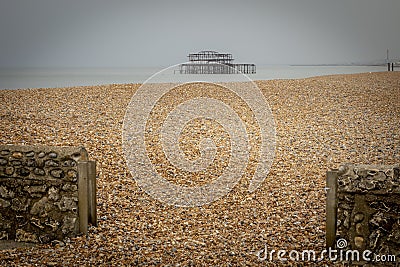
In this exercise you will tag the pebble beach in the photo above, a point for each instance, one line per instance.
(321, 122)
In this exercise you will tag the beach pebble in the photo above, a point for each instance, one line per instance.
(321, 122)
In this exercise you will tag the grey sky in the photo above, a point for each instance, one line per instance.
(103, 33)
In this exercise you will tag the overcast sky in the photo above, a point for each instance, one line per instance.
(104, 33)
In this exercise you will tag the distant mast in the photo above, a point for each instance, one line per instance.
(387, 55)
(387, 59)
(212, 62)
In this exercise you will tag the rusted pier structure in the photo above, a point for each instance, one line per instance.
(211, 62)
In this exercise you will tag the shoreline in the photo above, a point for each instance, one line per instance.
(60, 78)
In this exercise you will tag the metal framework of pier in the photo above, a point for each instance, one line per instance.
(211, 62)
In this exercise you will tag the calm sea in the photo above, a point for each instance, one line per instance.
(49, 78)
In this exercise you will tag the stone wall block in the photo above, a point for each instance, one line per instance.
(31, 163)
(69, 224)
(8, 171)
(20, 204)
(72, 175)
(57, 173)
(5, 152)
(3, 235)
(54, 194)
(52, 155)
(15, 162)
(3, 161)
(22, 236)
(68, 163)
(41, 207)
(39, 193)
(39, 171)
(17, 155)
(37, 222)
(6, 192)
(4, 203)
(51, 163)
(368, 207)
(24, 172)
(30, 154)
(70, 187)
(68, 204)
(36, 189)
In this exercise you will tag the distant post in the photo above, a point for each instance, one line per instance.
(331, 208)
